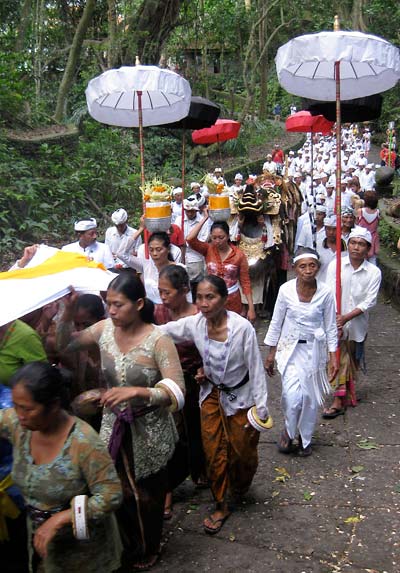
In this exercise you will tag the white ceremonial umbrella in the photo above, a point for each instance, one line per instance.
(138, 96)
(333, 66)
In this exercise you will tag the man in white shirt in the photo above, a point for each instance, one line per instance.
(237, 188)
(118, 234)
(194, 261)
(269, 165)
(347, 194)
(367, 178)
(360, 286)
(177, 204)
(330, 198)
(88, 245)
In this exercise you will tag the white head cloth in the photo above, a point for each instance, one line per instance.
(119, 216)
(85, 224)
(361, 233)
(330, 221)
(191, 203)
(305, 256)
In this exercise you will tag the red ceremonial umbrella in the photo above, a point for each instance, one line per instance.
(305, 122)
(222, 130)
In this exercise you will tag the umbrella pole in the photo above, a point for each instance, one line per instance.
(183, 179)
(338, 201)
(142, 178)
(312, 214)
(219, 153)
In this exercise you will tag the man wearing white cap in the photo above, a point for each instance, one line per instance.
(118, 234)
(177, 204)
(194, 261)
(330, 198)
(360, 286)
(269, 165)
(291, 165)
(327, 250)
(367, 178)
(88, 245)
(320, 214)
(237, 186)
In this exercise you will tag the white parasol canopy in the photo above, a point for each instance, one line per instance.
(333, 66)
(368, 65)
(112, 97)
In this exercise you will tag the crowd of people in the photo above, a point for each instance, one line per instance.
(118, 397)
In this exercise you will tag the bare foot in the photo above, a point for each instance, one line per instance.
(146, 563)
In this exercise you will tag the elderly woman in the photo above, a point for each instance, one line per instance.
(302, 326)
(233, 385)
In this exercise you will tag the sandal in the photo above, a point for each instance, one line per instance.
(285, 444)
(332, 413)
(218, 522)
(305, 452)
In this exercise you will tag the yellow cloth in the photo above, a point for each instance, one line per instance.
(61, 261)
(7, 507)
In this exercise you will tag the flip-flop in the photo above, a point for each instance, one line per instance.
(220, 521)
(333, 413)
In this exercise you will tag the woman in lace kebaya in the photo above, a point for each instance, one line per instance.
(145, 383)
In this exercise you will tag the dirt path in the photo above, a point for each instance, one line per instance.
(337, 511)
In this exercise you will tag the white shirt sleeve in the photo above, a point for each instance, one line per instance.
(275, 327)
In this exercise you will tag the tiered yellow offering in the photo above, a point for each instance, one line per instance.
(157, 198)
(218, 201)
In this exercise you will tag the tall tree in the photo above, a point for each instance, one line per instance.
(23, 25)
(73, 58)
(150, 27)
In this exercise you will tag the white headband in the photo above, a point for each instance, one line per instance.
(305, 256)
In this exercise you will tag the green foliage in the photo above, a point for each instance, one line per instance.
(14, 85)
(388, 234)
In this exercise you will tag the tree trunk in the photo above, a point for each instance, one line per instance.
(73, 58)
(149, 29)
(37, 51)
(112, 53)
(262, 108)
(357, 18)
(23, 24)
